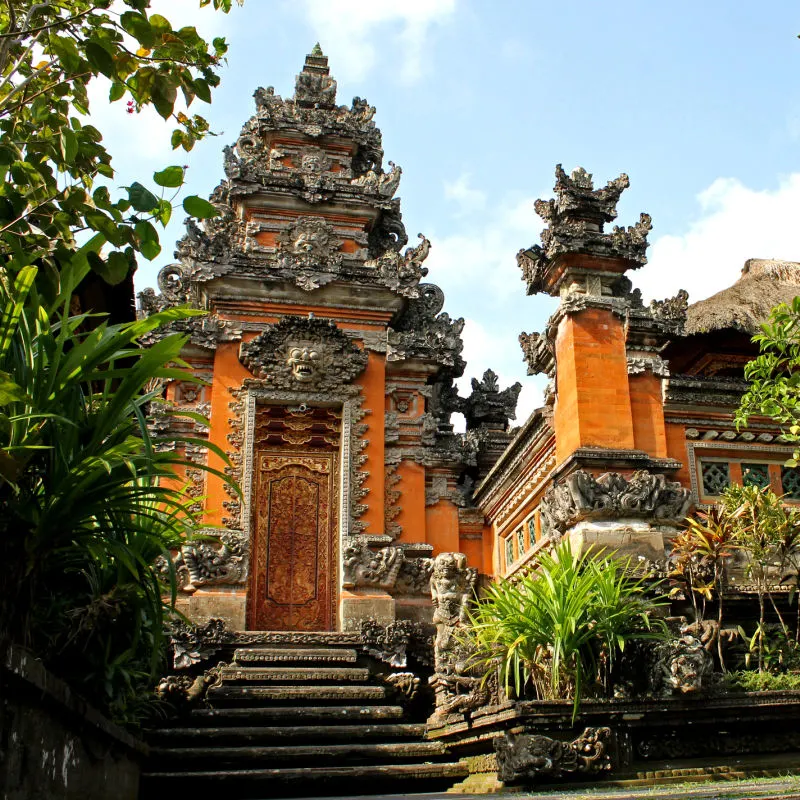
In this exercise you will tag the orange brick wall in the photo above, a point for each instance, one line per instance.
(593, 406)
(649, 432)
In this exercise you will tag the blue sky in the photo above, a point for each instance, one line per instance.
(479, 99)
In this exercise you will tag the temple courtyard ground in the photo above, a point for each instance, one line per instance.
(787, 788)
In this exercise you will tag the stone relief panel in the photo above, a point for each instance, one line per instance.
(612, 496)
(303, 354)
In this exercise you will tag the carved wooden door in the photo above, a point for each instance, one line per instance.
(295, 543)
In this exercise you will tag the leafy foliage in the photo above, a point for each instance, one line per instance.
(563, 629)
(698, 558)
(52, 160)
(88, 498)
(775, 374)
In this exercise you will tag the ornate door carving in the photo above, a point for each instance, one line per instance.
(293, 582)
(295, 543)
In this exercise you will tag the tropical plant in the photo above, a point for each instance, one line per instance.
(768, 534)
(89, 499)
(562, 629)
(698, 558)
(775, 374)
(53, 165)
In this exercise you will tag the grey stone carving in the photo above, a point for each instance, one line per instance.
(537, 352)
(190, 644)
(305, 354)
(528, 758)
(672, 309)
(487, 406)
(386, 568)
(611, 496)
(682, 665)
(575, 220)
(221, 561)
(309, 242)
(402, 273)
(314, 86)
(393, 643)
(457, 688)
(184, 692)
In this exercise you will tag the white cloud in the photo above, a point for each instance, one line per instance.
(736, 223)
(484, 253)
(351, 32)
(465, 196)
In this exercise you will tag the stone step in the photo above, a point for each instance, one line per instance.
(309, 734)
(299, 754)
(339, 694)
(315, 655)
(294, 674)
(303, 782)
(294, 714)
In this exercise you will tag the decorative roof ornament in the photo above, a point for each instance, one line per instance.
(314, 87)
(575, 226)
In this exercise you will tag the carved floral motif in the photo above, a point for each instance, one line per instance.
(523, 758)
(582, 496)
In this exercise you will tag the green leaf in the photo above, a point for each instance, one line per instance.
(202, 90)
(170, 178)
(147, 235)
(164, 212)
(141, 198)
(69, 145)
(138, 26)
(114, 269)
(116, 91)
(197, 207)
(100, 59)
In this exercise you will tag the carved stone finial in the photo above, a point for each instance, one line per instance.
(575, 220)
(487, 406)
(314, 86)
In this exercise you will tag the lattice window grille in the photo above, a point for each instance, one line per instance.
(509, 551)
(521, 540)
(790, 478)
(716, 477)
(532, 530)
(755, 475)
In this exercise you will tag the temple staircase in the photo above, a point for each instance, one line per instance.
(288, 721)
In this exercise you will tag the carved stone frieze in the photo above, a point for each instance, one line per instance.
(191, 644)
(391, 510)
(402, 273)
(309, 242)
(303, 354)
(219, 561)
(638, 365)
(425, 332)
(458, 688)
(682, 665)
(673, 309)
(612, 496)
(528, 758)
(537, 352)
(386, 568)
(395, 642)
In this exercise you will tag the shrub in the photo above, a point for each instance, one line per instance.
(562, 629)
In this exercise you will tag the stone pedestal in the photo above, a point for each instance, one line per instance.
(627, 538)
(356, 605)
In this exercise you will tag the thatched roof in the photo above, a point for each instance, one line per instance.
(745, 305)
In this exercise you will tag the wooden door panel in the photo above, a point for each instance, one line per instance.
(292, 586)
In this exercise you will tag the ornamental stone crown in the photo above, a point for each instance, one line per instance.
(575, 227)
